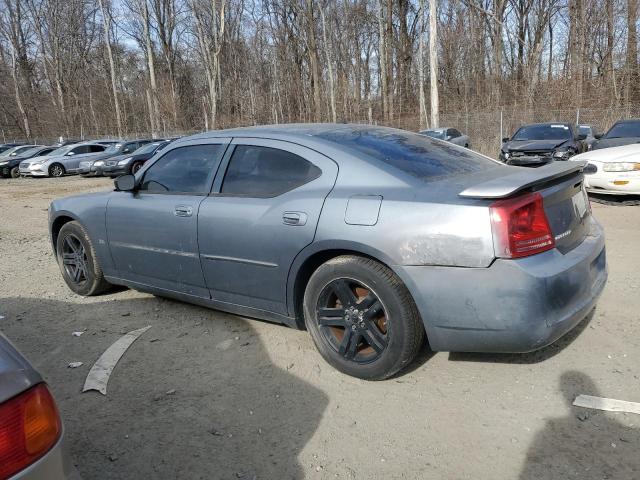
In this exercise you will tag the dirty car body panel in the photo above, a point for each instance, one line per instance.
(420, 206)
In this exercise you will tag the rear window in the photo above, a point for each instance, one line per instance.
(416, 155)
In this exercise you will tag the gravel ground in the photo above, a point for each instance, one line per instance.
(204, 394)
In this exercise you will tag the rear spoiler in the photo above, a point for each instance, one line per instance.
(522, 179)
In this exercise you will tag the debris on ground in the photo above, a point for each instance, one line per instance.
(99, 374)
(607, 404)
(77, 334)
(75, 364)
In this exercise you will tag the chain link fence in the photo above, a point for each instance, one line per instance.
(485, 128)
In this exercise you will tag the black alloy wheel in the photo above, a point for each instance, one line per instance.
(352, 320)
(362, 318)
(74, 259)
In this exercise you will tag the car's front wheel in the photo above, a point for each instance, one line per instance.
(78, 261)
(56, 170)
(362, 318)
(135, 167)
(15, 172)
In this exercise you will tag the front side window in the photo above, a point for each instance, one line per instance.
(96, 148)
(183, 170)
(266, 172)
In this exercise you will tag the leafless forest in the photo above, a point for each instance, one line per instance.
(132, 67)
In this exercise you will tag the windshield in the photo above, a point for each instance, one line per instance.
(417, 155)
(543, 132)
(584, 130)
(439, 134)
(148, 148)
(115, 148)
(624, 130)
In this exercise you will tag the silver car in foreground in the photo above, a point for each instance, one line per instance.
(31, 432)
(62, 161)
(369, 237)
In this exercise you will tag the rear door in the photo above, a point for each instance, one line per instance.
(152, 232)
(263, 211)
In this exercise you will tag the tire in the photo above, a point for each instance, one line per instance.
(15, 172)
(135, 167)
(379, 334)
(56, 170)
(78, 261)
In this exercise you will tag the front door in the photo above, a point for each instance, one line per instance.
(153, 231)
(262, 213)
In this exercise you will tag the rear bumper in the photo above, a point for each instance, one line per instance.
(513, 305)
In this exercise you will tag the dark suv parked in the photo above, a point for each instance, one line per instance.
(93, 167)
(131, 163)
(541, 143)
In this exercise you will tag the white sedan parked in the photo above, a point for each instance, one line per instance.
(614, 170)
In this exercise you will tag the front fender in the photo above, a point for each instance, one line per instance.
(90, 211)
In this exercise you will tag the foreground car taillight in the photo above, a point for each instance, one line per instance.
(520, 226)
(29, 426)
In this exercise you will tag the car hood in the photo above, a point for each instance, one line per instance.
(104, 156)
(532, 145)
(16, 374)
(614, 142)
(625, 153)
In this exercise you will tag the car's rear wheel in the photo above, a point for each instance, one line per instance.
(135, 167)
(362, 318)
(15, 172)
(56, 170)
(78, 261)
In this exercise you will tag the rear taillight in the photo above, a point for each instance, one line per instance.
(29, 426)
(520, 226)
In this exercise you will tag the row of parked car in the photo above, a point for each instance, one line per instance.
(613, 158)
(88, 158)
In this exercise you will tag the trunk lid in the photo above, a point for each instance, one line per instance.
(565, 199)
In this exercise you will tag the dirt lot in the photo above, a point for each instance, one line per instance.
(208, 395)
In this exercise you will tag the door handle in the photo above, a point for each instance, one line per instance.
(294, 218)
(183, 211)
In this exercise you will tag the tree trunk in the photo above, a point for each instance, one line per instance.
(433, 62)
(106, 21)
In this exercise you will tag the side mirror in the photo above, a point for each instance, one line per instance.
(581, 137)
(505, 139)
(70, 153)
(448, 137)
(598, 136)
(125, 183)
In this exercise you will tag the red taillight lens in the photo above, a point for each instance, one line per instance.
(520, 226)
(29, 426)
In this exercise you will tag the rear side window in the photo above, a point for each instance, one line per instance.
(183, 170)
(417, 155)
(82, 149)
(266, 172)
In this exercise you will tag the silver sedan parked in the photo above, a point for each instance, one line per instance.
(452, 135)
(62, 161)
(31, 432)
(369, 237)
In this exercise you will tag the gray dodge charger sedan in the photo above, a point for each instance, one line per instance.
(372, 238)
